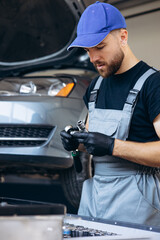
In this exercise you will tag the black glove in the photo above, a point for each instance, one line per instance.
(97, 144)
(68, 141)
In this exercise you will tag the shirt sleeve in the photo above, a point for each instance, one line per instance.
(153, 96)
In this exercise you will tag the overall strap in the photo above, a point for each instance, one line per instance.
(133, 93)
(94, 92)
(129, 106)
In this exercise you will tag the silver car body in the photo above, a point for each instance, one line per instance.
(30, 123)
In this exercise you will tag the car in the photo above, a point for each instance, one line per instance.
(41, 91)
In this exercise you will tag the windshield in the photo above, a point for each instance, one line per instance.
(33, 29)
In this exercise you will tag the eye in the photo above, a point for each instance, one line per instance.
(100, 47)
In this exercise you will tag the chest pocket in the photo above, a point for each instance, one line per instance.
(115, 123)
(104, 121)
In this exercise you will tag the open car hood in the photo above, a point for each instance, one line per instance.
(35, 34)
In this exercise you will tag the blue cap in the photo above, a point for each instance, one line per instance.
(96, 22)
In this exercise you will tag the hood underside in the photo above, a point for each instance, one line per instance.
(34, 29)
(37, 33)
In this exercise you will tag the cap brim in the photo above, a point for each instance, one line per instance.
(88, 41)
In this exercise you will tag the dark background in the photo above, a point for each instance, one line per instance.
(52, 193)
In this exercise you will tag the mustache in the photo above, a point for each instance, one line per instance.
(98, 63)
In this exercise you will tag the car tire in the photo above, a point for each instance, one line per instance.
(72, 180)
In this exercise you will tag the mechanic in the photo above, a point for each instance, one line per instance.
(123, 124)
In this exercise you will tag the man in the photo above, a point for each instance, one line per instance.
(123, 125)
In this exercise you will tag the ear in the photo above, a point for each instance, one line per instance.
(123, 37)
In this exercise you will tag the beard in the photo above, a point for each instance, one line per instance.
(112, 67)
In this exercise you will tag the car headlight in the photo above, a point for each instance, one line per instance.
(60, 89)
(49, 86)
(28, 88)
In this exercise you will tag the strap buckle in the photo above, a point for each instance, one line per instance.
(132, 97)
(93, 95)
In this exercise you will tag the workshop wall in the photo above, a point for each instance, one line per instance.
(143, 25)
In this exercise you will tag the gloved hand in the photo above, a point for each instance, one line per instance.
(97, 144)
(69, 143)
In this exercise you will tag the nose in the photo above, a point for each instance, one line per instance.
(93, 55)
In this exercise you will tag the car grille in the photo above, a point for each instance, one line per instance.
(24, 136)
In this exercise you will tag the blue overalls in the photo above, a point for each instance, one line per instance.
(120, 190)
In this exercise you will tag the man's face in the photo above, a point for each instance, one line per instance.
(107, 56)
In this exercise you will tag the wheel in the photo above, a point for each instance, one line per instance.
(72, 180)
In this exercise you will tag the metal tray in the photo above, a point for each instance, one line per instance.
(23, 219)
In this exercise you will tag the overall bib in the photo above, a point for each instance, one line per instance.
(120, 190)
